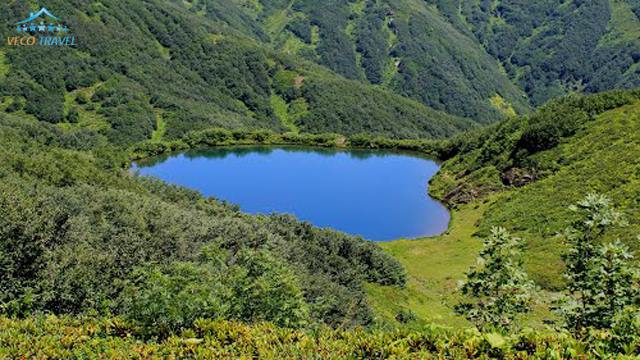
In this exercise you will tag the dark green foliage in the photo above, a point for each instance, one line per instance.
(372, 41)
(228, 12)
(197, 71)
(73, 116)
(406, 316)
(300, 27)
(82, 99)
(127, 111)
(406, 46)
(351, 108)
(444, 52)
(240, 71)
(252, 287)
(552, 49)
(16, 105)
(446, 70)
(335, 48)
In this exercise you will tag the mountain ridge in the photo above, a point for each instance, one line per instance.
(136, 60)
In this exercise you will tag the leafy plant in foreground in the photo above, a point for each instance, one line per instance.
(498, 284)
(256, 287)
(602, 280)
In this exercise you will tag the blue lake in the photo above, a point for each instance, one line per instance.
(378, 195)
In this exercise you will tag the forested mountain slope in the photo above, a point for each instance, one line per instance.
(151, 68)
(553, 47)
(462, 56)
(405, 46)
(185, 65)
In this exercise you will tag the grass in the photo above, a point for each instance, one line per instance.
(276, 22)
(281, 109)
(391, 68)
(164, 51)
(624, 25)
(434, 266)
(89, 117)
(502, 105)
(161, 127)
(602, 158)
(293, 45)
(315, 35)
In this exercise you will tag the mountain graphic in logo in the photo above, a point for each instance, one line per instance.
(42, 28)
(42, 21)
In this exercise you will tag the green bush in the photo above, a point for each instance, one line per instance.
(602, 280)
(498, 286)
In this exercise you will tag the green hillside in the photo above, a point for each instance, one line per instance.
(97, 262)
(479, 60)
(500, 177)
(571, 147)
(136, 60)
(457, 55)
(80, 235)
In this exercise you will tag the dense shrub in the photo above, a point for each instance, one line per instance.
(253, 287)
(515, 143)
(498, 286)
(601, 278)
(190, 73)
(551, 51)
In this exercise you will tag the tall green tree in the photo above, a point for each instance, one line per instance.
(602, 279)
(498, 285)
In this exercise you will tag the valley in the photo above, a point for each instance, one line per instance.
(346, 179)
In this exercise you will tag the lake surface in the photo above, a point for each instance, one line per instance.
(378, 195)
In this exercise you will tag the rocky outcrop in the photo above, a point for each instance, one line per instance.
(462, 194)
(518, 177)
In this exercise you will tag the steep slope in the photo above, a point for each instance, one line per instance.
(406, 46)
(551, 48)
(458, 55)
(547, 162)
(146, 66)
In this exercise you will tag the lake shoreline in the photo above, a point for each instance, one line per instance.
(410, 185)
